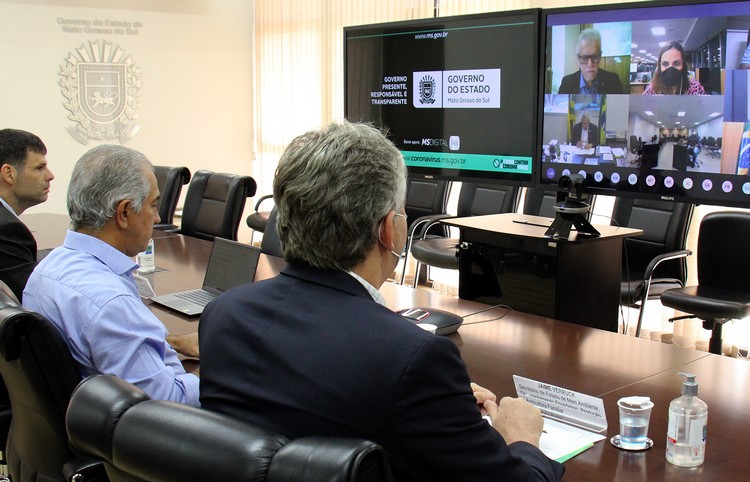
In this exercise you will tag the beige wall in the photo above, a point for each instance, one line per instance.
(195, 58)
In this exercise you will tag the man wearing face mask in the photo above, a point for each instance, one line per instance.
(314, 351)
(671, 74)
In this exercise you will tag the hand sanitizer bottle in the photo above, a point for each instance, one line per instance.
(686, 430)
(146, 259)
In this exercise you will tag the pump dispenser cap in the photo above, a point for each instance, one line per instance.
(689, 386)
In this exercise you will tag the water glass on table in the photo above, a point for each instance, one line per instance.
(635, 413)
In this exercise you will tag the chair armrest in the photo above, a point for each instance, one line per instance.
(84, 470)
(166, 227)
(262, 198)
(330, 458)
(649, 273)
(421, 225)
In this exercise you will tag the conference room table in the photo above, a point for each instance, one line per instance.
(497, 343)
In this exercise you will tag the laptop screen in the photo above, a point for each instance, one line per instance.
(231, 264)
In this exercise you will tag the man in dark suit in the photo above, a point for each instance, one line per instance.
(24, 182)
(585, 134)
(590, 79)
(314, 351)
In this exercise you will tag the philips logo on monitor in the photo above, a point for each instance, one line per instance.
(466, 89)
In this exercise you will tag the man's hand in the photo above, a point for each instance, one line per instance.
(185, 344)
(516, 419)
(482, 394)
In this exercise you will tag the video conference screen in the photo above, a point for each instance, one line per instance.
(649, 100)
(458, 95)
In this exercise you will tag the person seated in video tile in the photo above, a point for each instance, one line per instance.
(585, 133)
(671, 74)
(590, 79)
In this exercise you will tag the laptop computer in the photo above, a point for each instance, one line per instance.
(231, 264)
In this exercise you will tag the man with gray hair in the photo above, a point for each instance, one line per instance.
(314, 351)
(585, 134)
(590, 79)
(86, 287)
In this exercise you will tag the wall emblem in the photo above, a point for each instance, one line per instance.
(101, 85)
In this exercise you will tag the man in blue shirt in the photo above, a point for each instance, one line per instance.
(86, 287)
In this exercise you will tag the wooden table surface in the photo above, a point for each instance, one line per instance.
(498, 343)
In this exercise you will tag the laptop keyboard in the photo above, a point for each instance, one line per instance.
(199, 297)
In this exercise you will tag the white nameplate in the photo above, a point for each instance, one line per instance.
(144, 287)
(562, 404)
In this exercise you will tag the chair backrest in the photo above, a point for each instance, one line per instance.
(170, 181)
(664, 224)
(140, 439)
(40, 374)
(426, 197)
(271, 244)
(214, 204)
(481, 199)
(722, 239)
(539, 202)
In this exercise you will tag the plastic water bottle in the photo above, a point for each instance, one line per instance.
(686, 429)
(146, 260)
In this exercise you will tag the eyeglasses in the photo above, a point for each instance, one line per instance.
(403, 216)
(585, 59)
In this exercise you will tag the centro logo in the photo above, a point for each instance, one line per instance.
(434, 142)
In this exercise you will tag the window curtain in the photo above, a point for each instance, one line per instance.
(299, 67)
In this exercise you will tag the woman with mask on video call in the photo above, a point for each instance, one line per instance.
(671, 74)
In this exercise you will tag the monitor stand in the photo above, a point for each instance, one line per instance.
(571, 213)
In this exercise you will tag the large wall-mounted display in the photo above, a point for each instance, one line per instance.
(648, 99)
(458, 95)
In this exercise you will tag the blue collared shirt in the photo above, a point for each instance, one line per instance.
(584, 88)
(86, 289)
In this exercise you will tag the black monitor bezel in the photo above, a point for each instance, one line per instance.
(529, 180)
(642, 192)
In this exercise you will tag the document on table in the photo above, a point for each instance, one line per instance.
(562, 442)
(573, 421)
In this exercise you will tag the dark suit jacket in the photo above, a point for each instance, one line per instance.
(593, 134)
(608, 83)
(17, 252)
(310, 353)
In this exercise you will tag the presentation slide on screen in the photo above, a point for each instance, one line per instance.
(451, 97)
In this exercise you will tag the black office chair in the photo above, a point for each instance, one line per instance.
(271, 244)
(711, 146)
(539, 202)
(635, 145)
(214, 204)
(257, 220)
(424, 197)
(473, 200)
(153, 440)
(723, 290)
(40, 374)
(645, 273)
(170, 181)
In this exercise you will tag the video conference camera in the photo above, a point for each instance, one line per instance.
(571, 211)
(573, 185)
